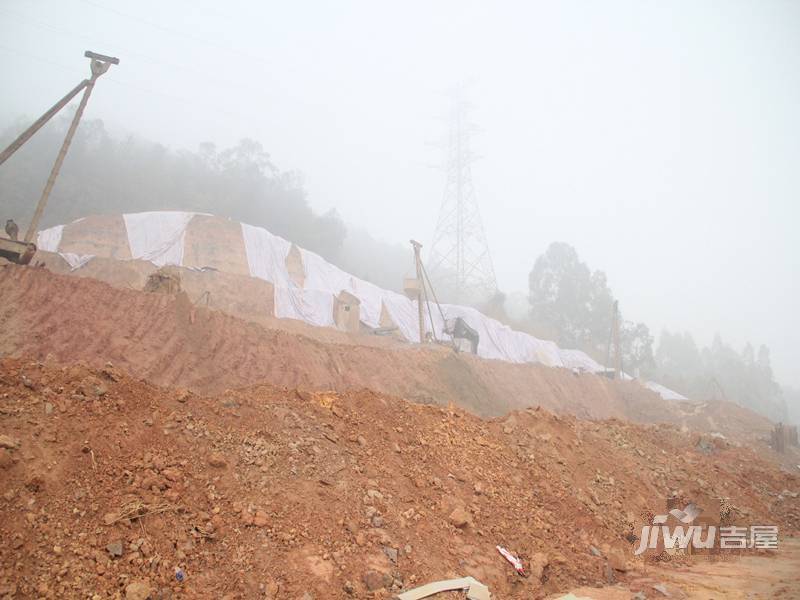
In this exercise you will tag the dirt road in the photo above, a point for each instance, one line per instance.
(743, 578)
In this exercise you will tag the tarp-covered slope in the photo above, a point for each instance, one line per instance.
(160, 237)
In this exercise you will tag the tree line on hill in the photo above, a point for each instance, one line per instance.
(573, 305)
(103, 174)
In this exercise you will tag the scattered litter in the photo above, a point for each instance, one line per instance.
(474, 588)
(515, 562)
(180, 575)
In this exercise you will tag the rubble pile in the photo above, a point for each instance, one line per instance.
(115, 488)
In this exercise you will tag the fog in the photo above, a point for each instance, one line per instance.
(661, 140)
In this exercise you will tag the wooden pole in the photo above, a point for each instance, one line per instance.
(51, 180)
(420, 282)
(99, 65)
(37, 125)
(617, 347)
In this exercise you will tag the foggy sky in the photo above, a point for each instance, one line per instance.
(661, 139)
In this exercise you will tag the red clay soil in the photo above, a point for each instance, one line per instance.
(169, 341)
(112, 486)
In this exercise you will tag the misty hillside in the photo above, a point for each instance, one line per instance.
(566, 302)
(103, 174)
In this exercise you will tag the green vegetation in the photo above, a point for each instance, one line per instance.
(572, 304)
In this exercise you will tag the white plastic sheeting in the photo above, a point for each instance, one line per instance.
(160, 237)
(266, 259)
(315, 307)
(266, 255)
(49, 240)
(664, 392)
(157, 236)
(498, 341)
(76, 261)
(403, 313)
(323, 276)
(575, 359)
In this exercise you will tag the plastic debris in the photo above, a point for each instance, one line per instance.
(180, 575)
(475, 589)
(515, 562)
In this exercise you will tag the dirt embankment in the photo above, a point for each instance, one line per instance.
(114, 486)
(168, 340)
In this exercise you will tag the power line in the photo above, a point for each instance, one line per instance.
(176, 32)
(141, 89)
(28, 20)
(44, 60)
(22, 18)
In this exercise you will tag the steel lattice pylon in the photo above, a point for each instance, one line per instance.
(459, 261)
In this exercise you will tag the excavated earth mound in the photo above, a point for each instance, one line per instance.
(113, 487)
(171, 341)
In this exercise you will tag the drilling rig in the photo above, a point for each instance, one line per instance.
(22, 251)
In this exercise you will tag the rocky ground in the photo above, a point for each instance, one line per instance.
(113, 487)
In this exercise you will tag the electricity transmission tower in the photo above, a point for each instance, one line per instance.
(459, 260)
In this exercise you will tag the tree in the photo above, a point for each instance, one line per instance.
(570, 300)
(719, 371)
(103, 175)
(637, 347)
(679, 364)
(792, 398)
(495, 308)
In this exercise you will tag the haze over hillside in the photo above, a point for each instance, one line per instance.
(660, 141)
(356, 299)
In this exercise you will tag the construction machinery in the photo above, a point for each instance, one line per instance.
(456, 328)
(22, 251)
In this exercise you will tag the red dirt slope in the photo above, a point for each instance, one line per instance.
(169, 341)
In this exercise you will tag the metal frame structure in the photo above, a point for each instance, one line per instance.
(22, 252)
(459, 259)
(423, 285)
